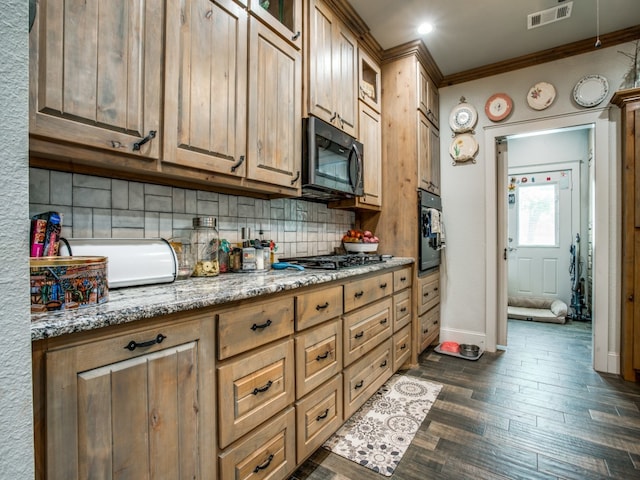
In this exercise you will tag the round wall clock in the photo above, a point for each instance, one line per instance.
(498, 107)
(463, 118)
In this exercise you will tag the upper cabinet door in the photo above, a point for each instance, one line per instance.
(369, 80)
(95, 74)
(275, 109)
(283, 16)
(428, 97)
(206, 81)
(332, 69)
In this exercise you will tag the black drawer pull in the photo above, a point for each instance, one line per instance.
(132, 345)
(403, 309)
(359, 385)
(358, 294)
(435, 322)
(264, 325)
(383, 285)
(435, 289)
(383, 364)
(404, 345)
(296, 36)
(323, 415)
(383, 321)
(403, 279)
(322, 307)
(425, 294)
(258, 390)
(359, 335)
(137, 145)
(426, 330)
(322, 357)
(264, 465)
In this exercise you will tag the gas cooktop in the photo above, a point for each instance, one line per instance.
(336, 262)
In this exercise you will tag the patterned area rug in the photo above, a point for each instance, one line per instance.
(379, 433)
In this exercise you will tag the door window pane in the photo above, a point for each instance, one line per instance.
(538, 215)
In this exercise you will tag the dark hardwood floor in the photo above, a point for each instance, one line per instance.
(535, 411)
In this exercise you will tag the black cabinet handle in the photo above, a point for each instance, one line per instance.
(132, 345)
(359, 335)
(359, 385)
(403, 309)
(404, 345)
(426, 330)
(296, 36)
(403, 279)
(322, 307)
(323, 415)
(383, 364)
(258, 390)
(137, 145)
(383, 321)
(383, 285)
(425, 294)
(264, 465)
(237, 165)
(295, 179)
(323, 356)
(255, 327)
(358, 294)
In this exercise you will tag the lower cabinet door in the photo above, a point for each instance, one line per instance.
(429, 327)
(267, 453)
(318, 415)
(401, 347)
(363, 378)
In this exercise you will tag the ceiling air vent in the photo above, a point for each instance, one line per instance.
(549, 15)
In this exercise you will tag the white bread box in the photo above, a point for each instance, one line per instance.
(130, 261)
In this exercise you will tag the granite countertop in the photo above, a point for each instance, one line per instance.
(138, 303)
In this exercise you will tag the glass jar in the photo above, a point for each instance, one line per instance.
(204, 244)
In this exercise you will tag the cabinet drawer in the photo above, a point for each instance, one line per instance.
(429, 327)
(318, 356)
(244, 328)
(402, 279)
(364, 377)
(269, 452)
(401, 347)
(366, 328)
(429, 293)
(253, 388)
(401, 309)
(317, 416)
(362, 292)
(318, 306)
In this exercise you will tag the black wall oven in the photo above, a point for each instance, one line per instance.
(431, 230)
(332, 162)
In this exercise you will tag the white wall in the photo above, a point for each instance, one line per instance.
(16, 435)
(470, 196)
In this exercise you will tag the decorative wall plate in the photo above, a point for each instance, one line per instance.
(463, 147)
(498, 107)
(463, 118)
(541, 95)
(591, 90)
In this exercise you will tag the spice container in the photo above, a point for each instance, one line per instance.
(204, 242)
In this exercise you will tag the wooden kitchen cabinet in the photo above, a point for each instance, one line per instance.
(274, 149)
(428, 97)
(369, 80)
(428, 155)
(134, 402)
(95, 80)
(332, 69)
(205, 86)
(428, 310)
(629, 102)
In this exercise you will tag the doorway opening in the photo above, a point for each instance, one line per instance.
(549, 219)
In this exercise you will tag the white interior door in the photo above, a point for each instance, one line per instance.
(543, 219)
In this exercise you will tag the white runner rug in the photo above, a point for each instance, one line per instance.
(379, 433)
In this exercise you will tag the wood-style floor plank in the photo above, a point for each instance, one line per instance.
(535, 411)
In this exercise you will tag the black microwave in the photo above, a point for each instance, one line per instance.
(332, 165)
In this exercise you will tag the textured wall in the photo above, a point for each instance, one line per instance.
(98, 207)
(16, 437)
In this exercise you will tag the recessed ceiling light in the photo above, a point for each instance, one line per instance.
(425, 28)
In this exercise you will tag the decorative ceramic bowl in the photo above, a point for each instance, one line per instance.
(353, 247)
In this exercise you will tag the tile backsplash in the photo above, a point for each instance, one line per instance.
(99, 207)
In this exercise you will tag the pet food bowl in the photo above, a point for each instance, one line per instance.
(468, 350)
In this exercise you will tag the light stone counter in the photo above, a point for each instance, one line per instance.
(137, 303)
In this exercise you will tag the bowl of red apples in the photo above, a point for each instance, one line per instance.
(360, 241)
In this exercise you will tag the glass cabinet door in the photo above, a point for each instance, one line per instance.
(284, 16)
